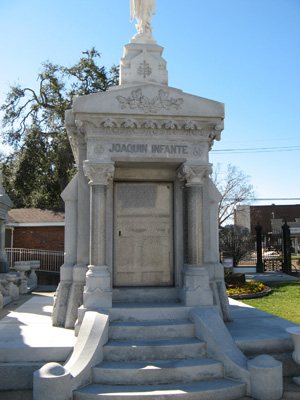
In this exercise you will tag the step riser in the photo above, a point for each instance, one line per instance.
(232, 393)
(16, 394)
(149, 314)
(17, 376)
(150, 295)
(154, 332)
(157, 376)
(180, 352)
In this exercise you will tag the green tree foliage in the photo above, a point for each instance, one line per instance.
(235, 240)
(42, 164)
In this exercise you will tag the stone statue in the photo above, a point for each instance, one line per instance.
(142, 9)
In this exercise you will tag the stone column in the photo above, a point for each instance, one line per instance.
(62, 299)
(5, 205)
(98, 291)
(196, 289)
(82, 239)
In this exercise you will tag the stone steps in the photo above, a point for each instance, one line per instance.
(142, 350)
(157, 372)
(221, 389)
(149, 312)
(153, 354)
(138, 330)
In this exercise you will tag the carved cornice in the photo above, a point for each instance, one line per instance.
(194, 174)
(98, 173)
(143, 126)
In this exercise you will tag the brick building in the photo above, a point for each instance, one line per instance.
(34, 228)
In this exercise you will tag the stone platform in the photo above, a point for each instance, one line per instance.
(28, 340)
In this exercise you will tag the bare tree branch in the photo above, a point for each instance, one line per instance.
(234, 187)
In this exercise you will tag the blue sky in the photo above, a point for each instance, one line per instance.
(244, 53)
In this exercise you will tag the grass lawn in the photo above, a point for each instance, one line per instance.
(283, 302)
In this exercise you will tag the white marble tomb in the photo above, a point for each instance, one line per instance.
(141, 213)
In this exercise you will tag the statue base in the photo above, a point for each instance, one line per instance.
(142, 62)
(143, 38)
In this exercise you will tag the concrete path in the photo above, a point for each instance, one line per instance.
(251, 328)
(30, 327)
(27, 334)
(270, 277)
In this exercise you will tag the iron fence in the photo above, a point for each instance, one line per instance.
(272, 262)
(51, 261)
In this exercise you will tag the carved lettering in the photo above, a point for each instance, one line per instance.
(171, 149)
(144, 148)
(128, 148)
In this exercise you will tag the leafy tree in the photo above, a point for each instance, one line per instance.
(235, 240)
(235, 188)
(42, 163)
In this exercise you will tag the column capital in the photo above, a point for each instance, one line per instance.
(99, 172)
(194, 174)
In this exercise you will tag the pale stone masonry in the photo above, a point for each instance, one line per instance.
(148, 140)
(142, 259)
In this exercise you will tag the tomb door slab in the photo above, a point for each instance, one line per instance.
(143, 234)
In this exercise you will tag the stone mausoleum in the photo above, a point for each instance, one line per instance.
(141, 282)
(141, 213)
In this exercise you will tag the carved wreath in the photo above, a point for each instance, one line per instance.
(138, 100)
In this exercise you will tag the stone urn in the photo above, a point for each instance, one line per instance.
(294, 331)
(35, 265)
(13, 290)
(22, 267)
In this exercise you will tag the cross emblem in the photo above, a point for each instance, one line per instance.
(144, 69)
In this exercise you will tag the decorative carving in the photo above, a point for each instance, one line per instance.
(130, 123)
(138, 100)
(144, 69)
(71, 135)
(170, 125)
(98, 149)
(219, 127)
(76, 139)
(98, 173)
(189, 126)
(194, 175)
(197, 151)
(109, 123)
(177, 126)
(150, 124)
